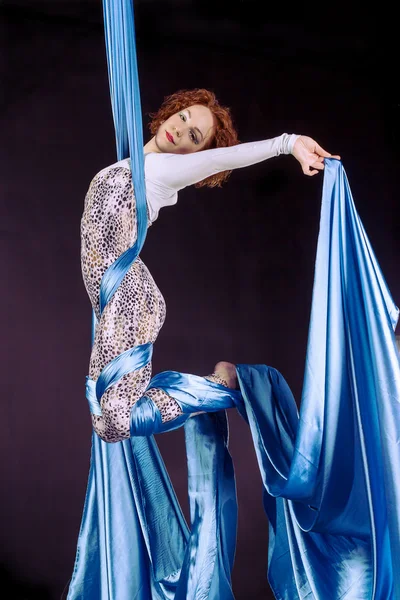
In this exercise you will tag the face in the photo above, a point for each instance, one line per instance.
(189, 130)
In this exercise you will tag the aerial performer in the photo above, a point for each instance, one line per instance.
(194, 143)
(329, 474)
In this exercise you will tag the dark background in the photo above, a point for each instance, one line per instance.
(235, 265)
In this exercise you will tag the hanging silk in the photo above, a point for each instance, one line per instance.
(332, 477)
(329, 477)
(133, 538)
(119, 26)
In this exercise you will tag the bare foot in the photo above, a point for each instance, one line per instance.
(227, 371)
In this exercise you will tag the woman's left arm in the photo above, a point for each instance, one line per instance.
(177, 171)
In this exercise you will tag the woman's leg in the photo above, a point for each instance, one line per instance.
(117, 401)
(224, 373)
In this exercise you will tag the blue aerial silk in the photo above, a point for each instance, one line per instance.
(331, 476)
(134, 541)
(119, 27)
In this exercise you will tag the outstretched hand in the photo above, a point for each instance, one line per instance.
(310, 155)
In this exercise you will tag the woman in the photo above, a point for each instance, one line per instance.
(194, 142)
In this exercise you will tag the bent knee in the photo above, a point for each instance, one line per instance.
(110, 428)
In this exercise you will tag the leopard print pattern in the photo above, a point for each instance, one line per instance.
(167, 406)
(136, 312)
(217, 379)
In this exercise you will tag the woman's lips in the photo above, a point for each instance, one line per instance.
(170, 138)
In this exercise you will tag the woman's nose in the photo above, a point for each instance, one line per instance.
(178, 132)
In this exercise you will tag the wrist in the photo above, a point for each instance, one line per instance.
(291, 142)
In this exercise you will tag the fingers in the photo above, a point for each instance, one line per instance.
(319, 150)
(307, 170)
(314, 168)
(312, 157)
(310, 173)
(318, 165)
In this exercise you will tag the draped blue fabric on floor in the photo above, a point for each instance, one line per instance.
(331, 477)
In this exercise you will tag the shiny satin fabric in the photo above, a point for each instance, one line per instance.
(192, 393)
(119, 30)
(130, 360)
(131, 510)
(210, 547)
(332, 476)
(303, 564)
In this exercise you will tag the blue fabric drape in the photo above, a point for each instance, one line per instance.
(330, 477)
(119, 26)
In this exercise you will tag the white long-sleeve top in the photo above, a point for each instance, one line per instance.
(166, 174)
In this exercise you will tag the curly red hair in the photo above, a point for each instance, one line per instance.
(225, 133)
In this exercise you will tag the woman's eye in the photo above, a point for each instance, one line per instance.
(182, 116)
(193, 137)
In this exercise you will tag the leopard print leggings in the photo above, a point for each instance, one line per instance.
(136, 312)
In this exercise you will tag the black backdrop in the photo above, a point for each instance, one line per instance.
(235, 265)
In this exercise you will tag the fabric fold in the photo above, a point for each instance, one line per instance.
(331, 474)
